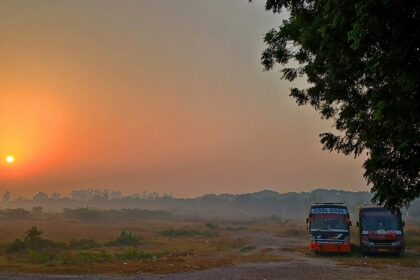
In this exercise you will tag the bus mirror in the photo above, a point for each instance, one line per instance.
(357, 224)
(307, 220)
(403, 223)
(349, 223)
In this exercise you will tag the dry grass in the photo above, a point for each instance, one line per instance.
(63, 230)
(165, 254)
(163, 265)
(182, 253)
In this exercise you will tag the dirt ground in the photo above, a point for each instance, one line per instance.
(297, 264)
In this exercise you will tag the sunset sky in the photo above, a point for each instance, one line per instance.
(165, 96)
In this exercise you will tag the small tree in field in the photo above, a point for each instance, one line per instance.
(33, 234)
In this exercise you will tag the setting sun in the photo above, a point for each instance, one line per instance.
(10, 159)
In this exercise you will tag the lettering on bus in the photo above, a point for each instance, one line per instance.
(329, 210)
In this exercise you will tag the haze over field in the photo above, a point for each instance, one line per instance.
(165, 96)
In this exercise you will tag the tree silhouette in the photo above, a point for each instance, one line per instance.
(33, 234)
(361, 60)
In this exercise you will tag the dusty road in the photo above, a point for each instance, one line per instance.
(270, 271)
(296, 266)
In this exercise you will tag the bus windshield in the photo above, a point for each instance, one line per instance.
(328, 222)
(380, 220)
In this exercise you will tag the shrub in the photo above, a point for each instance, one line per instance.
(16, 246)
(41, 256)
(247, 248)
(33, 234)
(125, 238)
(211, 226)
(32, 241)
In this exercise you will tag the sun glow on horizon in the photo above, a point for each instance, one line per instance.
(10, 159)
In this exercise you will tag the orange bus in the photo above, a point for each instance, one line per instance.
(329, 228)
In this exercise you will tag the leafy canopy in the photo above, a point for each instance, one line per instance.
(361, 59)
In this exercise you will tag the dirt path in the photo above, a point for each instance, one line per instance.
(292, 248)
(269, 271)
(297, 266)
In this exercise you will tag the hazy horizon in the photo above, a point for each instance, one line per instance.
(30, 195)
(153, 96)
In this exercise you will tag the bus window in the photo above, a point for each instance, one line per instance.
(325, 222)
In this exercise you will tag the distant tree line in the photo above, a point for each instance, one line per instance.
(86, 195)
(267, 203)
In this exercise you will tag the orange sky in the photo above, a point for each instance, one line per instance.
(165, 96)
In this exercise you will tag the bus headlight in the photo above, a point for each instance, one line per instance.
(396, 243)
(312, 238)
(347, 240)
(367, 243)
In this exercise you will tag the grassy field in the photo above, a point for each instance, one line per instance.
(76, 247)
(159, 247)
